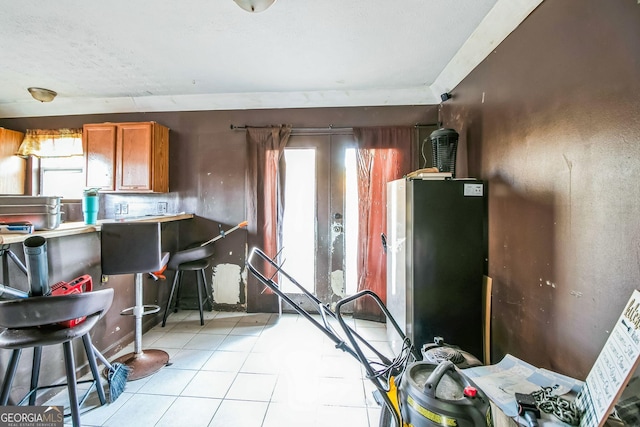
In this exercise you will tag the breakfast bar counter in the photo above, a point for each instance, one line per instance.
(72, 228)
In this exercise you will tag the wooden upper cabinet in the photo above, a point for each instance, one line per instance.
(127, 157)
(12, 168)
(99, 142)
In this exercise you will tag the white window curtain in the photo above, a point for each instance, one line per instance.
(51, 143)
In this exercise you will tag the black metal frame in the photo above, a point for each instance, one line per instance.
(5, 252)
(383, 372)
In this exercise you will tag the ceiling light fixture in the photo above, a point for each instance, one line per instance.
(42, 95)
(255, 5)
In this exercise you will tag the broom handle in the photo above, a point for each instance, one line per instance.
(103, 359)
(242, 224)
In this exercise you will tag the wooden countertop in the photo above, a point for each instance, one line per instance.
(71, 228)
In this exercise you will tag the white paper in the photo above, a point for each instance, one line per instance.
(511, 375)
(613, 368)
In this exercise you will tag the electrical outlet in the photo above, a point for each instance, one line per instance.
(104, 278)
(161, 208)
(118, 209)
(124, 208)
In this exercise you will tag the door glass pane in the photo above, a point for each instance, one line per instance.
(351, 221)
(299, 222)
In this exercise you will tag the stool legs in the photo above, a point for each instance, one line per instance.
(176, 279)
(70, 367)
(201, 284)
(208, 296)
(138, 311)
(176, 303)
(35, 373)
(142, 363)
(12, 367)
(91, 357)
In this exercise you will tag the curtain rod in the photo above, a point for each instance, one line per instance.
(302, 130)
(329, 128)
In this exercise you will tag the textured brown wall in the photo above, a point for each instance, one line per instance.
(552, 120)
(207, 162)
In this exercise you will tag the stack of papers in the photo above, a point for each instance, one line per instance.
(500, 382)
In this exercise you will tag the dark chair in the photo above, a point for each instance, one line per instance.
(135, 248)
(33, 322)
(194, 259)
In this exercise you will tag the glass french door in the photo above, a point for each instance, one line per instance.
(320, 217)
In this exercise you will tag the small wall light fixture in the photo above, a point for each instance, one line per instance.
(41, 94)
(255, 5)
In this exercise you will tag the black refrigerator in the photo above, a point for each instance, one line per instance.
(436, 260)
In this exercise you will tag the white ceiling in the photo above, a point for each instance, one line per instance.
(182, 55)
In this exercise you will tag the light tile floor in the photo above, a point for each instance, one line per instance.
(245, 370)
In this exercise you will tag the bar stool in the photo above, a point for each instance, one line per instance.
(33, 322)
(194, 259)
(134, 247)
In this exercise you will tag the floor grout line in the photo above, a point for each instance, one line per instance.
(262, 360)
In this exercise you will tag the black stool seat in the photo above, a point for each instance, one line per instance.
(192, 259)
(34, 322)
(45, 335)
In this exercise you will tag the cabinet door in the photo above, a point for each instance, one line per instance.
(12, 167)
(134, 154)
(100, 149)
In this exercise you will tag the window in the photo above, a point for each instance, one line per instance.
(62, 176)
(57, 161)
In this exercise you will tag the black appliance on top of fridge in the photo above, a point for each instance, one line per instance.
(436, 260)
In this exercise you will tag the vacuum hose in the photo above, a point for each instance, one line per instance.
(35, 253)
